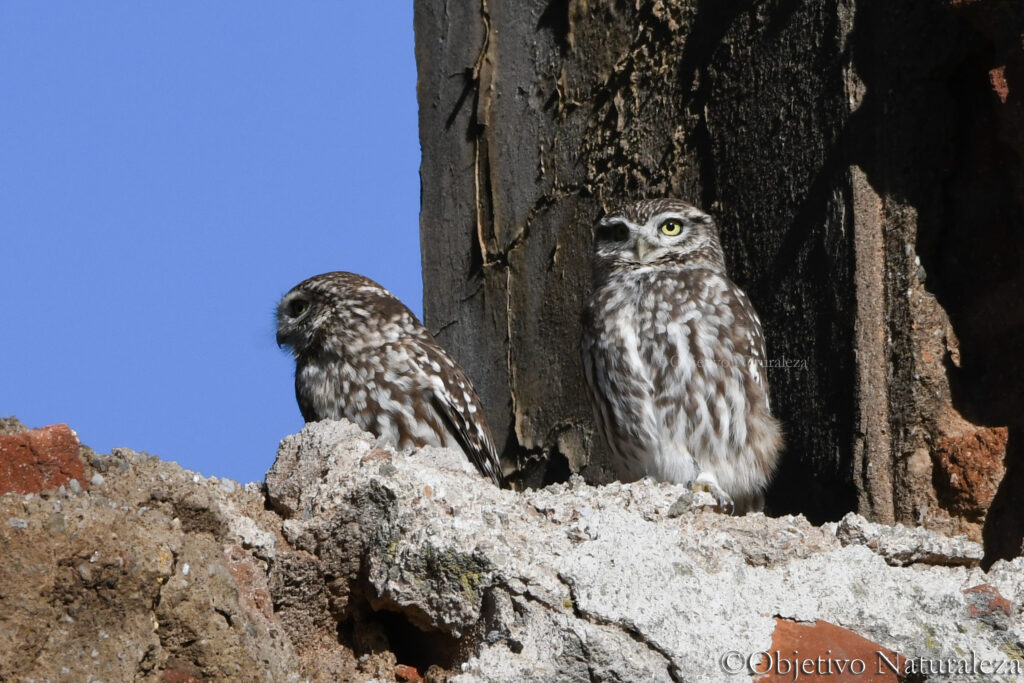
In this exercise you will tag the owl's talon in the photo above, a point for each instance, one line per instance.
(706, 481)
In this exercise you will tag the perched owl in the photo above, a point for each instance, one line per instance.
(674, 356)
(362, 355)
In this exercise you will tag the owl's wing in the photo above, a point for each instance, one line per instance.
(620, 387)
(475, 443)
(749, 338)
(460, 410)
(309, 413)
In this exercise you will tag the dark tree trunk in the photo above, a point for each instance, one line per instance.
(863, 161)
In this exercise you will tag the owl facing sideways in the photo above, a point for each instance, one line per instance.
(674, 356)
(361, 354)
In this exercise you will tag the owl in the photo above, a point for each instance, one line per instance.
(361, 354)
(674, 356)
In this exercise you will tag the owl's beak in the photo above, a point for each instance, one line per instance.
(643, 248)
(280, 340)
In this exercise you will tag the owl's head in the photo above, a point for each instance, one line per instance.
(303, 314)
(328, 312)
(656, 233)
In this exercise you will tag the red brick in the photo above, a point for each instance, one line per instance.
(985, 604)
(40, 459)
(403, 672)
(997, 77)
(824, 651)
(968, 469)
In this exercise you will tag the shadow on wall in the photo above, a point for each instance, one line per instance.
(935, 134)
(940, 130)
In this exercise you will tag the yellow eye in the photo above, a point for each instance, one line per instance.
(671, 227)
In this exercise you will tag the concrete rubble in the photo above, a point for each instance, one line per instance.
(354, 562)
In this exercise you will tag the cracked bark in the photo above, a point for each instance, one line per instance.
(835, 143)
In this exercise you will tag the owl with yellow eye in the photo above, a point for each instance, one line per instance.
(674, 356)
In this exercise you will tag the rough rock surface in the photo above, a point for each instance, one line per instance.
(152, 573)
(355, 562)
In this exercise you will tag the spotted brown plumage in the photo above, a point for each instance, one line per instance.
(361, 354)
(674, 356)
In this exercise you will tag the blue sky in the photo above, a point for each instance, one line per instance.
(167, 172)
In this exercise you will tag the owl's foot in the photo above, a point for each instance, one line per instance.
(706, 481)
